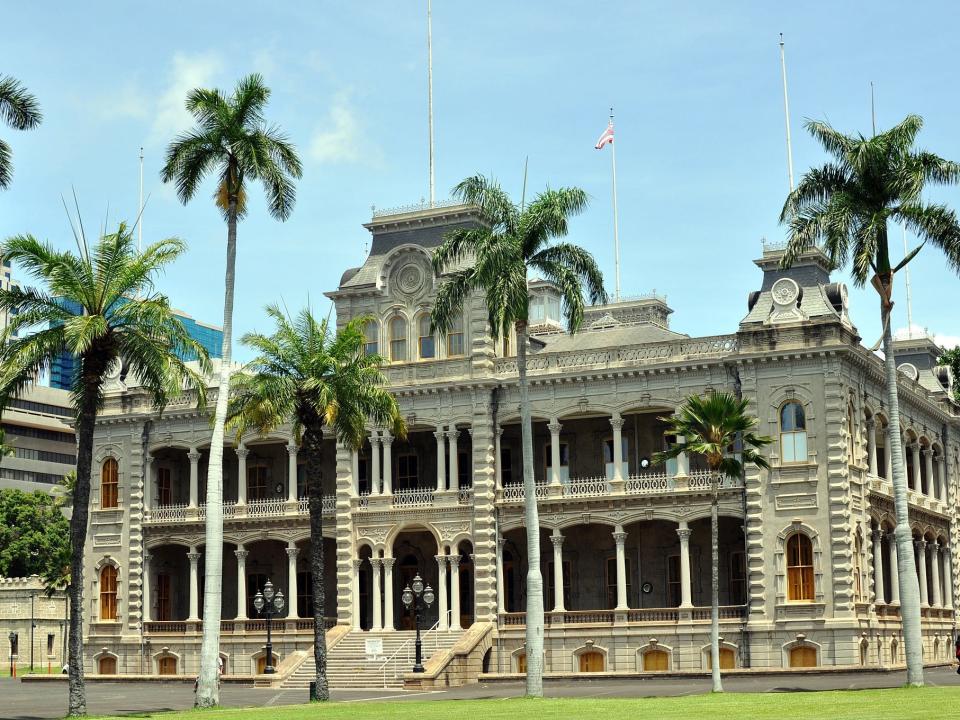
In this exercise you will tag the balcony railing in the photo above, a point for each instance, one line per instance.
(180, 513)
(637, 484)
(280, 625)
(413, 497)
(728, 613)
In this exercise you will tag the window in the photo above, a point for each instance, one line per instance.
(728, 659)
(536, 310)
(371, 332)
(425, 343)
(262, 663)
(506, 345)
(305, 594)
(738, 579)
(50, 641)
(608, 457)
(553, 309)
(564, 461)
(612, 582)
(793, 433)
(164, 488)
(258, 478)
(551, 585)
(108, 484)
(303, 489)
(164, 603)
(464, 478)
(15, 644)
(398, 339)
(799, 568)
(521, 660)
(506, 466)
(363, 471)
(455, 345)
(851, 435)
(407, 474)
(108, 593)
(858, 568)
(674, 591)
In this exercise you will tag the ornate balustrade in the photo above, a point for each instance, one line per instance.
(586, 487)
(413, 497)
(465, 496)
(239, 627)
(514, 492)
(174, 514)
(644, 483)
(169, 514)
(737, 613)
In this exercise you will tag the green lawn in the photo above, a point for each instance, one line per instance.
(25, 669)
(903, 704)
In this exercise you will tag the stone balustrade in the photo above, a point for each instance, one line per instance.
(728, 613)
(180, 513)
(638, 484)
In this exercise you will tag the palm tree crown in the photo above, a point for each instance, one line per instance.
(21, 111)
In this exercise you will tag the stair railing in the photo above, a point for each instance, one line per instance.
(406, 651)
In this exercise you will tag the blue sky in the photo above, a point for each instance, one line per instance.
(695, 86)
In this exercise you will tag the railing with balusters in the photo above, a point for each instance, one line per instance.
(465, 496)
(413, 497)
(643, 483)
(274, 507)
(169, 513)
(586, 487)
(514, 492)
(392, 667)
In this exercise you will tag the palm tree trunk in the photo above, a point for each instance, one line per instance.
(906, 568)
(534, 578)
(313, 449)
(714, 590)
(208, 693)
(77, 697)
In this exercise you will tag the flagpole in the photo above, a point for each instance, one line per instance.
(140, 209)
(430, 92)
(786, 113)
(616, 232)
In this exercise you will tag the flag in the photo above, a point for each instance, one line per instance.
(607, 137)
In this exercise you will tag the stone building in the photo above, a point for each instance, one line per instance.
(807, 562)
(25, 602)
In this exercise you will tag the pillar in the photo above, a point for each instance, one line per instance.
(388, 593)
(915, 480)
(501, 606)
(387, 441)
(292, 592)
(440, 435)
(375, 463)
(442, 591)
(147, 482)
(194, 458)
(894, 572)
(921, 547)
(554, 428)
(455, 591)
(194, 557)
(620, 538)
(942, 477)
(355, 472)
(242, 453)
(241, 554)
(877, 536)
(292, 473)
(947, 577)
(616, 422)
(872, 445)
(557, 541)
(684, 533)
(376, 564)
(452, 436)
(497, 458)
(355, 592)
(934, 592)
(888, 458)
(145, 589)
(928, 469)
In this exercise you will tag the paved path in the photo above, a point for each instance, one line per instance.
(42, 701)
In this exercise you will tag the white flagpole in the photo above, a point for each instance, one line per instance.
(786, 113)
(140, 209)
(616, 233)
(430, 91)
(906, 277)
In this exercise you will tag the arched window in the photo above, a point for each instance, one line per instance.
(656, 661)
(425, 344)
(108, 484)
(398, 339)
(793, 433)
(167, 665)
(851, 435)
(371, 331)
(455, 345)
(107, 665)
(799, 568)
(858, 568)
(803, 656)
(591, 661)
(108, 593)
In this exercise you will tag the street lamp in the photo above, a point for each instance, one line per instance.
(13, 638)
(268, 604)
(418, 598)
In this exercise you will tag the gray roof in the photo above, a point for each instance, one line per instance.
(814, 303)
(616, 336)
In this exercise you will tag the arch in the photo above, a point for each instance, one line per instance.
(728, 656)
(654, 657)
(167, 662)
(518, 660)
(109, 483)
(894, 651)
(397, 332)
(799, 568)
(107, 587)
(783, 574)
(801, 653)
(411, 526)
(259, 660)
(107, 662)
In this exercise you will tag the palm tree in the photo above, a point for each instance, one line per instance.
(21, 111)
(712, 427)
(495, 259)
(118, 318)
(5, 450)
(846, 205)
(232, 140)
(306, 374)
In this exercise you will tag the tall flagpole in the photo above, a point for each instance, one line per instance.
(140, 209)
(786, 113)
(430, 91)
(906, 277)
(616, 232)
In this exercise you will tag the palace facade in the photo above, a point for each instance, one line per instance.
(807, 561)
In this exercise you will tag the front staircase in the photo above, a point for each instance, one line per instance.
(348, 665)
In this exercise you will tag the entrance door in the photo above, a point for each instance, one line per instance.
(167, 666)
(728, 659)
(262, 663)
(656, 661)
(408, 570)
(591, 662)
(107, 666)
(163, 597)
(803, 656)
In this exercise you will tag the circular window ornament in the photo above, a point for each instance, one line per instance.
(910, 370)
(785, 292)
(410, 279)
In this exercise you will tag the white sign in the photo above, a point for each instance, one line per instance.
(373, 647)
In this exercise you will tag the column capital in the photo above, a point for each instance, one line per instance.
(292, 552)
(616, 422)
(684, 534)
(620, 538)
(387, 439)
(441, 559)
(453, 434)
(892, 538)
(376, 562)
(147, 459)
(374, 437)
(871, 422)
(241, 555)
(499, 431)
(357, 562)
(440, 434)
(557, 540)
(927, 451)
(920, 544)
(877, 535)
(147, 558)
(293, 448)
(554, 427)
(242, 451)
(454, 561)
(193, 557)
(388, 563)
(193, 455)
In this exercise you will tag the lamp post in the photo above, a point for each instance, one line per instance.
(13, 668)
(269, 604)
(418, 598)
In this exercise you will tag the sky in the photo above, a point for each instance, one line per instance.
(696, 90)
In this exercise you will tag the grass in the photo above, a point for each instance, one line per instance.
(24, 669)
(902, 703)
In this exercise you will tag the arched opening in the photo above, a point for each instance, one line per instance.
(894, 652)
(520, 662)
(109, 484)
(485, 665)
(415, 552)
(262, 662)
(167, 665)
(728, 659)
(107, 665)
(793, 433)
(799, 568)
(466, 587)
(656, 661)
(108, 593)
(803, 656)
(591, 661)
(864, 652)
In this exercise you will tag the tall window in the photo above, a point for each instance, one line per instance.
(506, 344)
(738, 579)
(305, 594)
(398, 339)
(851, 435)
(406, 472)
(108, 484)
(564, 461)
(455, 345)
(799, 568)
(674, 591)
(506, 466)
(164, 488)
(793, 433)
(612, 581)
(371, 331)
(858, 568)
(425, 344)
(108, 593)
(258, 476)
(164, 600)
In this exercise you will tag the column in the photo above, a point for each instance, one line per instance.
(684, 533)
(387, 441)
(388, 593)
(376, 564)
(894, 572)
(915, 480)
(554, 428)
(557, 541)
(292, 473)
(616, 422)
(455, 592)
(355, 592)
(501, 606)
(375, 463)
(194, 557)
(145, 589)
(355, 472)
(888, 458)
(292, 590)
(242, 453)
(620, 538)
(442, 591)
(928, 468)
(921, 548)
(947, 577)
(942, 477)
(497, 458)
(194, 457)
(872, 445)
(934, 593)
(241, 554)
(452, 436)
(440, 435)
(878, 598)
(147, 482)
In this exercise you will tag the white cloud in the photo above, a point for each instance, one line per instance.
(340, 138)
(188, 71)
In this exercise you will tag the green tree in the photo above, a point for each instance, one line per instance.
(307, 375)
(951, 358)
(232, 140)
(495, 259)
(34, 534)
(718, 428)
(5, 450)
(121, 320)
(21, 111)
(846, 204)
